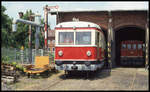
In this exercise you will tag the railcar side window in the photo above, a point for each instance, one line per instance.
(139, 46)
(83, 38)
(66, 38)
(129, 46)
(123, 46)
(134, 46)
(143, 45)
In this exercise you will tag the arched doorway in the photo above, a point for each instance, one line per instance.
(127, 33)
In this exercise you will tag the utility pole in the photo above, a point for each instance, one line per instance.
(46, 10)
(46, 24)
(30, 41)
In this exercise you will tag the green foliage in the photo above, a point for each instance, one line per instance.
(20, 67)
(21, 36)
(5, 58)
(14, 63)
(5, 28)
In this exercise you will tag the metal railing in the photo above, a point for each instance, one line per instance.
(22, 56)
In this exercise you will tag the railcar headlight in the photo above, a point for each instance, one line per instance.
(60, 53)
(88, 53)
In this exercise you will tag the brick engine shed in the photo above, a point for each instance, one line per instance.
(117, 26)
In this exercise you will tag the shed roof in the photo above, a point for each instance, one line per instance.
(55, 12)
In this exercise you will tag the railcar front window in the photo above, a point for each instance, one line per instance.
(66, 38)
(123, 46)
(139, 46)
(83, 38)
(129, 46)
(134, 46)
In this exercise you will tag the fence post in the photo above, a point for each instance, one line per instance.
(33, 55)
(22, 56)
(41, 52)
(15, 55)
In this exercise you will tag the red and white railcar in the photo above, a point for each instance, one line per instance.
(79, 46)
(132, 52)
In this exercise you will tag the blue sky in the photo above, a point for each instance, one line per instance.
(13, 7)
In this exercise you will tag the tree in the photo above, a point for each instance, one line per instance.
(5, 28)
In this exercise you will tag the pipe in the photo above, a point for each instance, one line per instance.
(27, 22)
(14, 25)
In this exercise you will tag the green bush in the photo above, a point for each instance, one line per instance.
(5, 59)
(14, 63)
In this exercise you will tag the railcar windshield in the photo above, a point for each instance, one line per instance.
(129, 46)
(139, 46)
(123, 46)
(83, 38)
(66, 38)
(134, 46)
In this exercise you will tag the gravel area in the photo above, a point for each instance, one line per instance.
(115, 79)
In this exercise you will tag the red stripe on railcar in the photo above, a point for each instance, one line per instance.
(76, 52)
(78, 28)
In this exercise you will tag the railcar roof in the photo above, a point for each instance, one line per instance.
(78, 24)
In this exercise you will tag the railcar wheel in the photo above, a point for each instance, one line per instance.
(69, 72)
(87, 74)
(65, 75)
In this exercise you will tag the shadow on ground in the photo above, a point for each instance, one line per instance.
(90, 75)
(45, 74)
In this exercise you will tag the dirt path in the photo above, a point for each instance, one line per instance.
(117, 79)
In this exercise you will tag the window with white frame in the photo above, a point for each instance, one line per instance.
(66, 38)
(83, 38)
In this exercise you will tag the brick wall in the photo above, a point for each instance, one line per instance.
(120, 18)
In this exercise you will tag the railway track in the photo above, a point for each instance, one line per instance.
(57, 81)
